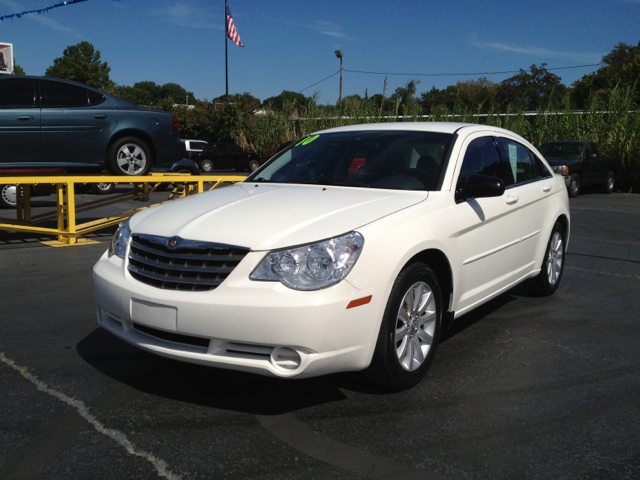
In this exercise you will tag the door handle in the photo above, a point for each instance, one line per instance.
(511, 199)
(546, 188)
(100, 115)
(24, 118)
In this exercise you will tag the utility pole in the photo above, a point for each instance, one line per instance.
(339, 55)
(226, 64)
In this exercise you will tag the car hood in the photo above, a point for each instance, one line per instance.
(553, 161)
(271, 216)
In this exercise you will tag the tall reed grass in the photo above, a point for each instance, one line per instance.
(613, 122)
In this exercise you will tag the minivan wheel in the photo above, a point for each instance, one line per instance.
(410, 329)
(129, 156)
(8, 196)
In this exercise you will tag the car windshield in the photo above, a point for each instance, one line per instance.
(561, 150)
(402, 160)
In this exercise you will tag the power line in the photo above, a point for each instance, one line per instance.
(327, 78)
(462, 74)
(444, 74)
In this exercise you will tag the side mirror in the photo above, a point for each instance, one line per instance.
(479, 186)
(593, 155)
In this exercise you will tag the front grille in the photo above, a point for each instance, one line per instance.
(174, 263)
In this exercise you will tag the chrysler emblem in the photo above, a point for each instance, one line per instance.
(173, 243)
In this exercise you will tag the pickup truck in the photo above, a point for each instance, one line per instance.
(581, 164)
(225, 155)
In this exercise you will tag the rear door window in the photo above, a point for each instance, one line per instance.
(58, 94)
(522, 167)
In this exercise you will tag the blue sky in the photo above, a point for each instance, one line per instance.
(290, 44)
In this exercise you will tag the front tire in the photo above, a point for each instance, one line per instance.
(548, 280)
(129, 156)
(410, 329)
(574, 185)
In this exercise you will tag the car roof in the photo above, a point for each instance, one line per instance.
(438, 127)
(115, 98)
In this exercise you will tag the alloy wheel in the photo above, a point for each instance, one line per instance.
(415, 326)
(554, 259)
(131, 159)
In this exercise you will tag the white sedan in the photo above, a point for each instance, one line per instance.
(353, 249)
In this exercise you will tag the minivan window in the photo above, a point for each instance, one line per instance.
(60, 94)
(17, 93)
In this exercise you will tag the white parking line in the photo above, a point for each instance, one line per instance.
(159, 464)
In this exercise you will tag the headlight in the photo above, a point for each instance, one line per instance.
(120, 240)
(561, 169)
(313, 266)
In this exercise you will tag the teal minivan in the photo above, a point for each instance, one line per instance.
(48, 122)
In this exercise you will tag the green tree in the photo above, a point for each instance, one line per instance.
(82, 63)
(620, 68)
(134, 94)
(533, 90)
(296, 100)
(176, 93)
(17, 69)
(232, 116)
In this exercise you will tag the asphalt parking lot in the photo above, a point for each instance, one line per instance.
(524, 387)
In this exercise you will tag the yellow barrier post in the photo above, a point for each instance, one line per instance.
(71, 214)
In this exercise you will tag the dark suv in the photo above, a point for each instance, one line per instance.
(226, 156)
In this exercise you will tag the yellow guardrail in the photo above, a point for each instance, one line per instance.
(68, 229)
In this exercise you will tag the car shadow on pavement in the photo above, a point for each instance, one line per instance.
(233, 390)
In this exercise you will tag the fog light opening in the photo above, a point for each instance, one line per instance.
(285, 358)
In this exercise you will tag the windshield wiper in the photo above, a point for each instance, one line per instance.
(261, 180)
(336, 183)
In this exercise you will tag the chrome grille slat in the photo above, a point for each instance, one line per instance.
(165, 278)
(219, 258)
(188, 266)
(182, 268)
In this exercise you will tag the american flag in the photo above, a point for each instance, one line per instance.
(232, 33)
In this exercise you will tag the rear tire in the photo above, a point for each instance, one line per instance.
(253, 165)
(610, 184)
(206, 166)
(574, 185)
(410, 329)
(129, 156)
(548, 280)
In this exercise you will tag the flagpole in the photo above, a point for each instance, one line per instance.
(226, 63)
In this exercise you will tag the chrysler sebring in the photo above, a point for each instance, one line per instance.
(354, 248)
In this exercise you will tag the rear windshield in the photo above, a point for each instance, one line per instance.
(380, 159)
(561, 150)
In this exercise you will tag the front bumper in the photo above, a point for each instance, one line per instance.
(259, 327)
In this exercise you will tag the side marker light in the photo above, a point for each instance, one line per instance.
(359, 302)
